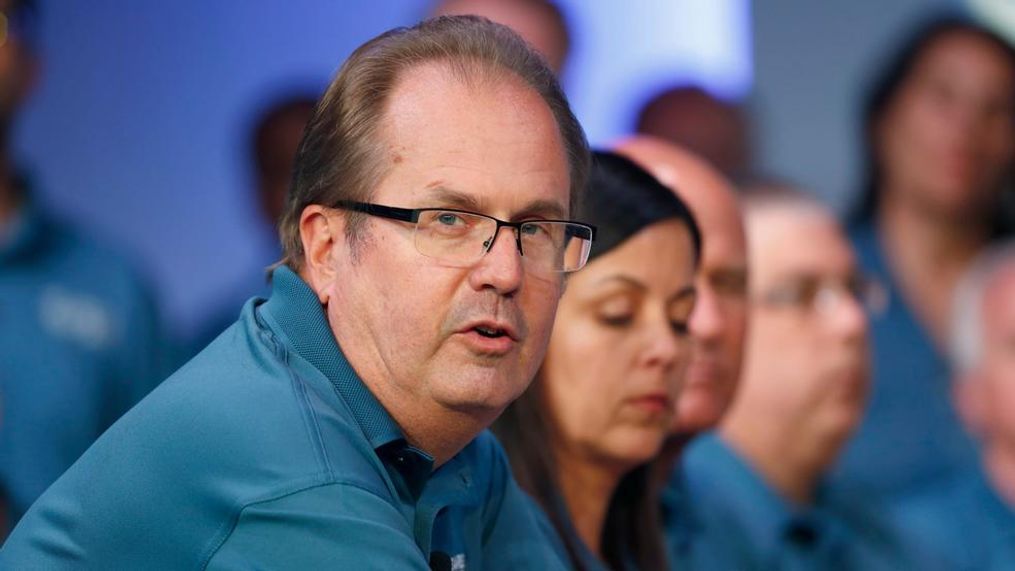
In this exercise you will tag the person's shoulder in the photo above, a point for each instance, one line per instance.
(74, 246)
(232, 430)
(80, 269)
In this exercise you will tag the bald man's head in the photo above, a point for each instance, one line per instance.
(719, 321)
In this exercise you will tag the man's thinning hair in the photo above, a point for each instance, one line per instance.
(342, 155)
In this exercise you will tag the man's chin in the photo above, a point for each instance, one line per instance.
(479, 394)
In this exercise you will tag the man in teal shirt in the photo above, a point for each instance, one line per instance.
(341, 422)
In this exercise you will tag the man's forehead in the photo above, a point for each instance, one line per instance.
(797, 240)
(458, 144)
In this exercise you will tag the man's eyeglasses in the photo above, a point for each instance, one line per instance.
(822, 295)
(461, 238)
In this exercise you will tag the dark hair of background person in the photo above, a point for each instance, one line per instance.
(342, 156)
(886, 86)
(622, 200)
(555, 47)
(690, 116)
(275, 134)
(23, 22)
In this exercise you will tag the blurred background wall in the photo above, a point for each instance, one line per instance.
(139, 127)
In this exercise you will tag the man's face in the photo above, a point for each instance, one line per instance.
(411, 324)
(996, 370)
(806, 359)
(719, 321)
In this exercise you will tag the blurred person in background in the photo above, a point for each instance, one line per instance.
(757, 483)
(80, 341)
(717, 325)
(581, 439)
(540, 22)
(691, 117)
(273, 141)
(940, 143)
(973, 527)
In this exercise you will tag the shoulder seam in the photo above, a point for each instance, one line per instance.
(277, 495)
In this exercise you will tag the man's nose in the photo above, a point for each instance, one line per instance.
(501, 267)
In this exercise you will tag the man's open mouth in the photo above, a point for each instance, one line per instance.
(490, 332)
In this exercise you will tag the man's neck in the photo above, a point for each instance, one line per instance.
(440, 432)
(789, 457)
(587, 488)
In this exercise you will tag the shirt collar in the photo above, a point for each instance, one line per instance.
(713, 468)
(299, 314)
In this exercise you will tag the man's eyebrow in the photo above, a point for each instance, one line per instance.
(442, 196)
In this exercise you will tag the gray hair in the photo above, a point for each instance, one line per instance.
(967, 307)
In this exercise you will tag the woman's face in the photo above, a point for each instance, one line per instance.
(946, 139)
(619, 347)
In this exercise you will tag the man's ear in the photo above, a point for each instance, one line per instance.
(320, 231)
(968, 393)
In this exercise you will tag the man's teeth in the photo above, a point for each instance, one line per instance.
(487, 332)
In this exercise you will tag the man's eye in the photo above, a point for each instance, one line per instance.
(534, 230)
(449, 219)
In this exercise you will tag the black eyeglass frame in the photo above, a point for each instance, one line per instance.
(412, 215)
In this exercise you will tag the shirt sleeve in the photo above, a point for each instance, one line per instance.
(336, 526)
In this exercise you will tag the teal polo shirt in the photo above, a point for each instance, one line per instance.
(719, 513)
(266, 451)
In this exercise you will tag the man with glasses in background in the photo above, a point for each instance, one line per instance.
(340, 423)
(756, 482)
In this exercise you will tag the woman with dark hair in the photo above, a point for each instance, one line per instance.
(940, 143)
(581, 438)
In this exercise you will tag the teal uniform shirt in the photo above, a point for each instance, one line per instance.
(266, 451)
(911, 438)
(720, 514)
(80, 344)
(965, 526)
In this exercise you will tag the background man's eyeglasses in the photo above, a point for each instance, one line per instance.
(461, 238)
(822, 295)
